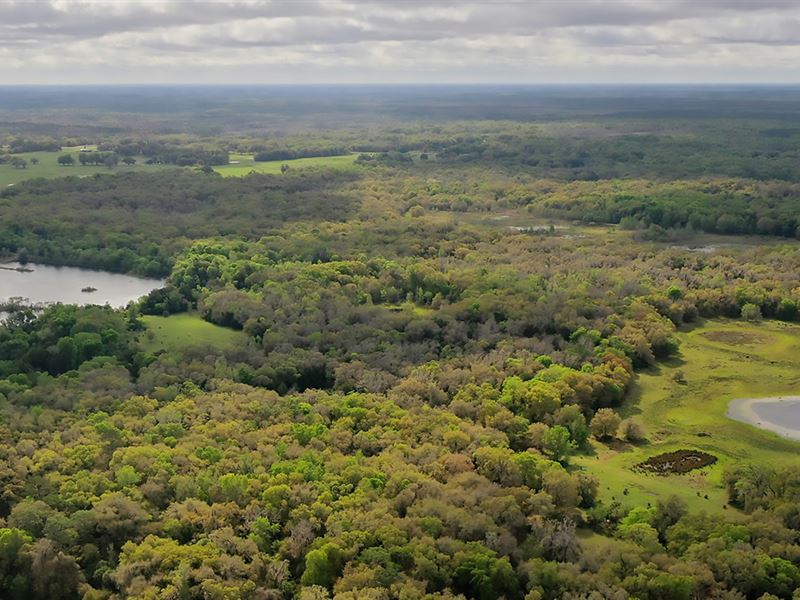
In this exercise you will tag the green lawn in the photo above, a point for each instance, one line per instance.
(178, 332)
(243, 164)
(49, 168)
(720, 361)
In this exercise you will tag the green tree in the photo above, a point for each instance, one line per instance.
(480, 574)
(15, 564)
(558, 443)
(751, 312)
(323, 566)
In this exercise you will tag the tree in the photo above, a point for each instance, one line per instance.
(30, 516)
(55, 575)
(751, 312)
(604, 424)
(532, 399)
(34, 161)
(787, 310)
(480, 574)
(674, 293)
(15, 563)
(572, 418)
(558, 540)
(117, 519)
(558, 443)
(323, 566)
(129, 160)
(19, 163)
(668, 512)
(66, 160)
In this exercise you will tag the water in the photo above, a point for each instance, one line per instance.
(783, 412)
(780, 414)
(46, 284)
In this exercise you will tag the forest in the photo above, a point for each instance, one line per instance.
(471, 364)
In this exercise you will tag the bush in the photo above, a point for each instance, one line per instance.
(632, 431)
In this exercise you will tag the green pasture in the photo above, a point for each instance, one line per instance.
(682, 404)
(49, 168)
(178, 332)
(243, 164)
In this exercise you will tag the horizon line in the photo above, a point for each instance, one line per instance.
(412, 84)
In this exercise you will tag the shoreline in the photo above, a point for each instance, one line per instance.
(741, 409)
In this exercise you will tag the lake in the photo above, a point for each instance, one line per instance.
(780, 414)
(45, 284)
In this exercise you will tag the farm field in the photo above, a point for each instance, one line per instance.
(718, 362)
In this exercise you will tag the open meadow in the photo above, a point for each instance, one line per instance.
(243, 164)
(185, 331)
(683, 402)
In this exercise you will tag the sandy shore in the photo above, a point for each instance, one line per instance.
(745, 410)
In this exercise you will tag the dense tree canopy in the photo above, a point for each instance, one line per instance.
(426, 351)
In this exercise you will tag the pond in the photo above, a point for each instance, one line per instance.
(44, 284)
(780, 414)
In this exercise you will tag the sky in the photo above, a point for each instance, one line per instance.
(405, 41)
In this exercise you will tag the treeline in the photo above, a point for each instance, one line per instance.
(108, 159)
(18, 145)
(714, 206)
(166, 153)
(387, 158)
(594, 153)
(266, 155)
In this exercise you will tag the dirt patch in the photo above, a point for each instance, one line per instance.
(680, 461)
(734, 338)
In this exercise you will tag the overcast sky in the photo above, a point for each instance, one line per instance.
(372, 41)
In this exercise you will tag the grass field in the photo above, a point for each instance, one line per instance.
(178, 332)
(243, 164)
(720, 361)
(49, 168)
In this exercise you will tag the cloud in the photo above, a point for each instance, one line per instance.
(300, 41)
